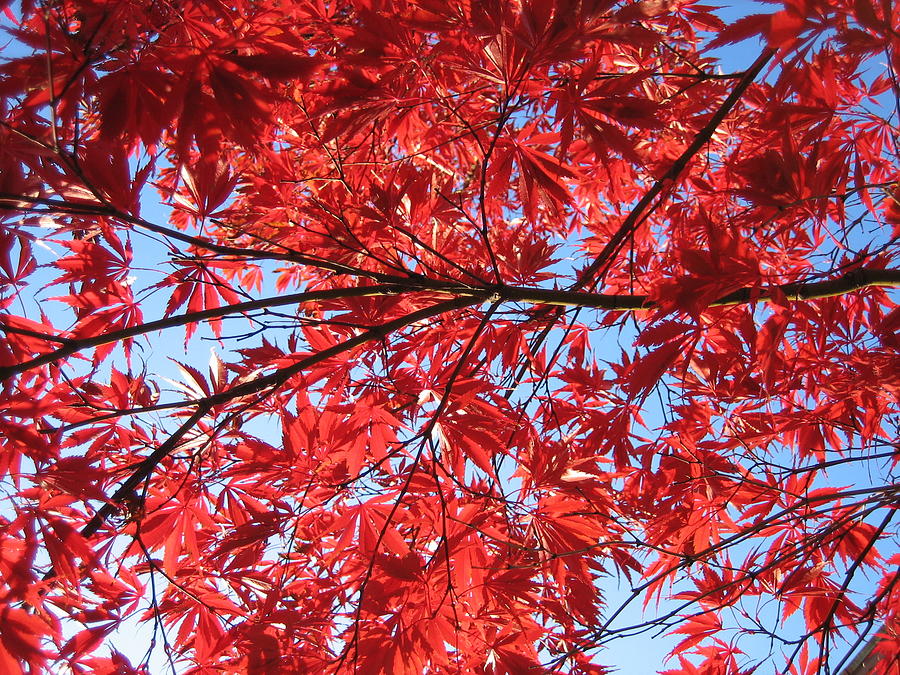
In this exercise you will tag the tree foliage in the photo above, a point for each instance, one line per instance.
(513, 304)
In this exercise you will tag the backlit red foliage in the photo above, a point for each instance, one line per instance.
(523, 313)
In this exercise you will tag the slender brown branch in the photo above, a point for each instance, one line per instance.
(26, 203)
(275, 379)
(586, 277)
(31, 333)
(72, 346)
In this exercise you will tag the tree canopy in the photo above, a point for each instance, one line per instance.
(523, 314)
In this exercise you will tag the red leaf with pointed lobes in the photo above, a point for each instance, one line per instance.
(646, 371)
(742, 29)
(20, 638)
(697, 629)
(785, 26)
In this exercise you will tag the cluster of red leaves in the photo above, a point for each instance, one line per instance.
(520, 297)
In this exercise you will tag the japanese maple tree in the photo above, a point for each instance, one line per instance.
(514, 304)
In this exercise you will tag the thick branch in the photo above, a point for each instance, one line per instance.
(851, 281)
